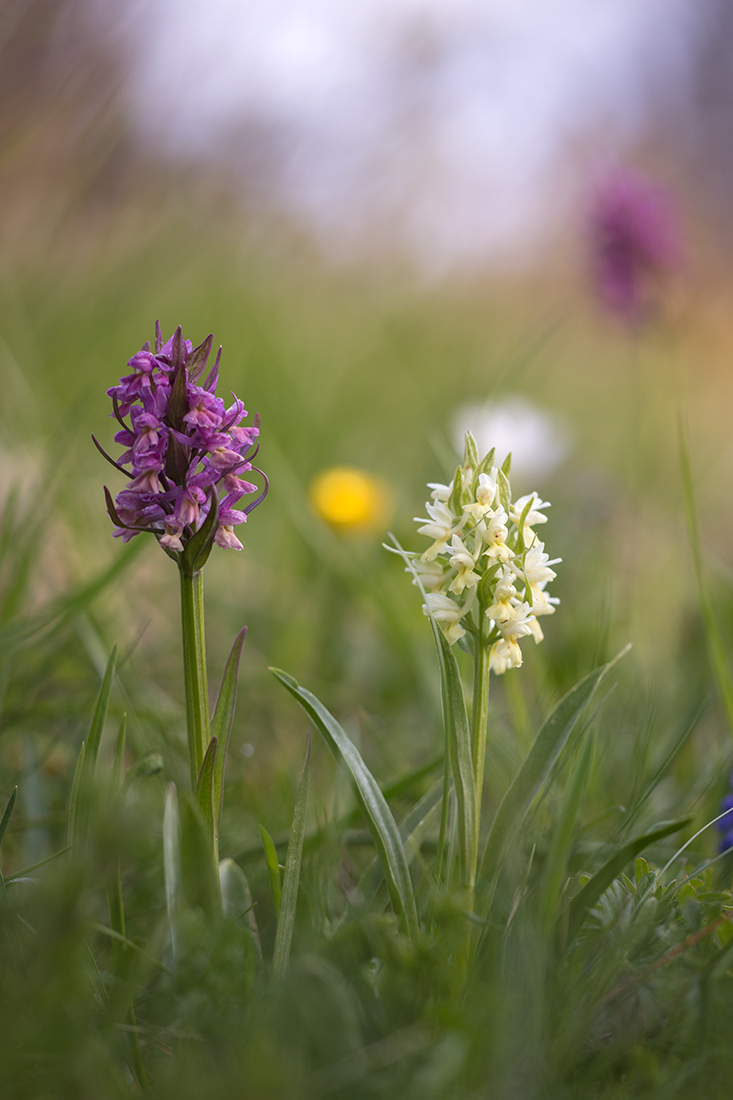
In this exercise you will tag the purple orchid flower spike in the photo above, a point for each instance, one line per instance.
(636, 244)
(185, 454)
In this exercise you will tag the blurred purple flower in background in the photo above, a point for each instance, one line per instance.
(636, 243)
(181, 444)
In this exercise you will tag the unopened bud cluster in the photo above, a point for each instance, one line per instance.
(485, 559)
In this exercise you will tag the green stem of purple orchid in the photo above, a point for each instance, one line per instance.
(194, 669)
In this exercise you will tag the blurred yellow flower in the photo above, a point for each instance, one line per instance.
(350, 499)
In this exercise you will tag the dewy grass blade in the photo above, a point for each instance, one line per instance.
(536, 769)
(291, 878)
(221, 723)
(273, 867)
(172, 862)
(612, 868)
(379, 818)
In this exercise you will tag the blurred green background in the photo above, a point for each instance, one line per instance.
(360, 363)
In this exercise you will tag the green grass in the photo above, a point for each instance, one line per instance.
(362, 367)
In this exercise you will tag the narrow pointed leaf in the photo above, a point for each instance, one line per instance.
(379, 818)
(273, 867)
(555, 869)
(205, 795)
(199, 874)
(236, 899)
(74, 800)
(458, 739)
(7, 815)
(291, 878)
(17, 875)
(172, 862)
(221, 723)
(591, 892)
(100, 715)
(536, 768)
(118, 767)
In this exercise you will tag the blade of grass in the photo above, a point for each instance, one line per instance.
(7, 815)
(536, 769)
(378, 815)
(221, 723)
(273, 867)
(204, 796)
(236, 899)
(557, 859)
(291, 878)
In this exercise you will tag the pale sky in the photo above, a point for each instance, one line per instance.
(454, 125)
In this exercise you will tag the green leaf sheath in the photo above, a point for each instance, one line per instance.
(378, 816)
(612, 868)
(194, 670)
(291, 879)
(221, 723)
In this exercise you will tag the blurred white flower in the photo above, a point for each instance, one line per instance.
(538, 440)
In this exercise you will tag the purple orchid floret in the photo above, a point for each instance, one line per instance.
(184, 451)
(636, 243)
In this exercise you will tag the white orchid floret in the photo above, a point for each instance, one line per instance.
(505, 599)
(536, 630)
(431, 574)
(464, 561)
(536, 566)
(496, 535)
(445, 610)
(504, 655)
(440, 492)
(485, 494)
(441, 526)
(542, 604)
(534, 515)
(512, 619)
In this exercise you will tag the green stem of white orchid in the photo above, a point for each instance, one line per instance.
(194, 669)
(479, 716)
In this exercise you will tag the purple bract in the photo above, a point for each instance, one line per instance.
(636, 242)
(185, 450)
